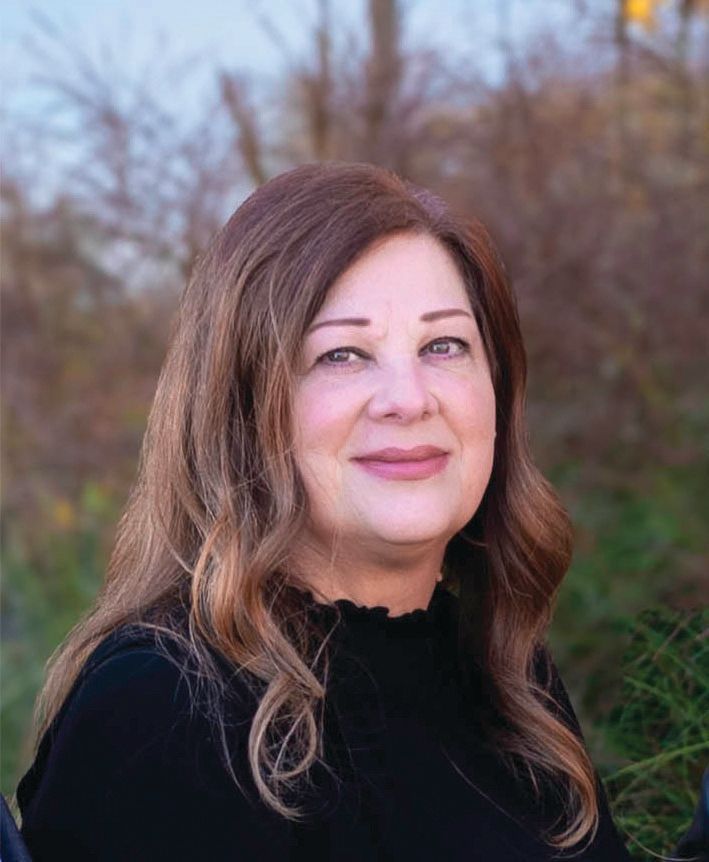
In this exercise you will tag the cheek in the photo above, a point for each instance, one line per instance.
(474, 417)
(323, 417)
(472, 400)
(474, 426)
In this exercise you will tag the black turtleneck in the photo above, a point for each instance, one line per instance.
(131, 770)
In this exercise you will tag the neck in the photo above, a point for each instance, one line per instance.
(398, 584)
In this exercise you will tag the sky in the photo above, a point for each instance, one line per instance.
(136, 41)
(229, 32)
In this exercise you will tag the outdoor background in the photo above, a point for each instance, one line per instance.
(577, 131)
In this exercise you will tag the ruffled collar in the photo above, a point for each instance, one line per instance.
(418, 622)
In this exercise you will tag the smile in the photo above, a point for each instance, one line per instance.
(406, 470)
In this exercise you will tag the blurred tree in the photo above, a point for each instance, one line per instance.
(79, 360)
(383, 76)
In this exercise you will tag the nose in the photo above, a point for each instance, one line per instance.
(402, 393)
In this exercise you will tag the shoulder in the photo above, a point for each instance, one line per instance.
(126, 697)
(135, 705)
(127, 674)
(132, 693)
(125, 661)
(134, 745)
(134, 684)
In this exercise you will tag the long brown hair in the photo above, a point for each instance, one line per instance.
(219, 501)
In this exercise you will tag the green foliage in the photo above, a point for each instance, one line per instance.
(660, 728)
(47, 585)
(638, 559)
(637, 545)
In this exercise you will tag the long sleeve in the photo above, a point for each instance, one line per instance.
(132, 774)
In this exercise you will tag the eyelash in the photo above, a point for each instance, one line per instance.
(459, 341)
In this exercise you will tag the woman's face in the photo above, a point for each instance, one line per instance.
(394, 359)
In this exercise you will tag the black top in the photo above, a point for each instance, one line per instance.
(129, 771)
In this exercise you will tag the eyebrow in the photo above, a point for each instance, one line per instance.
(365, 321)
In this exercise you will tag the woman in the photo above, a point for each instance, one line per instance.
(321, 634)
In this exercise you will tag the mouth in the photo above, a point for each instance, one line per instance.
(394, 453)
(404, 468)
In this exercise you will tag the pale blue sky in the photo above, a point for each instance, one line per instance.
(132, 40)
(228, 31)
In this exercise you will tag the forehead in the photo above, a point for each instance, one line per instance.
(408, 272)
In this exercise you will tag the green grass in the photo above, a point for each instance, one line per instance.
(660, 728)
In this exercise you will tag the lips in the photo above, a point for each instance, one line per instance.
(421, 462)
(395, 454)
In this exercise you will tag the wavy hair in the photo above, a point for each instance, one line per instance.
(218, 500)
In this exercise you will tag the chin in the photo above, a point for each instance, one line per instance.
(411, 532)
